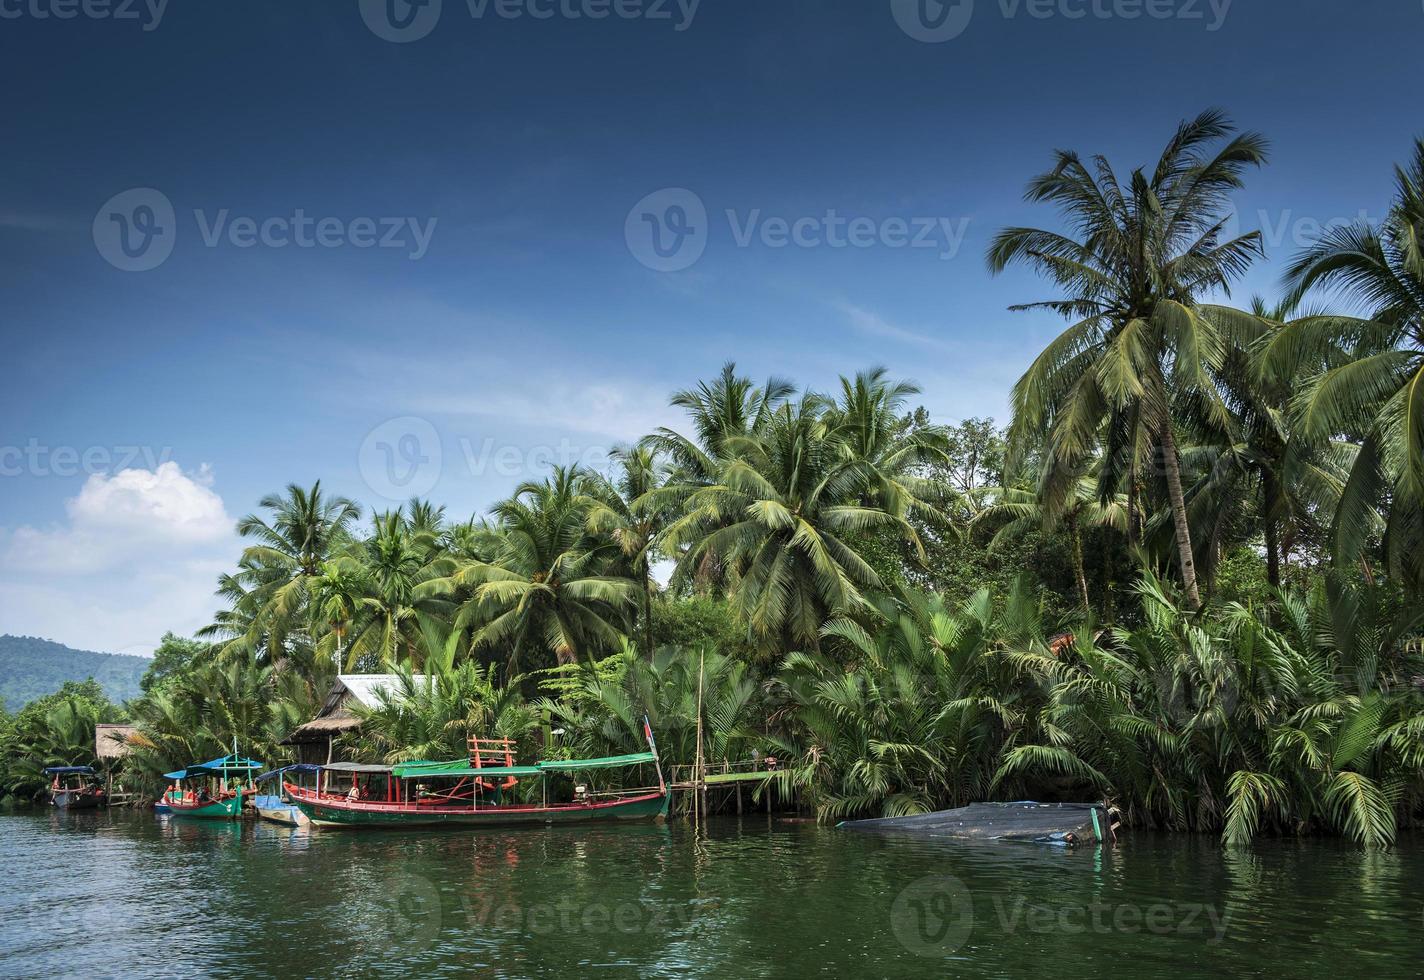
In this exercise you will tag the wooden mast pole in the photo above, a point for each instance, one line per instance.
(699, 800)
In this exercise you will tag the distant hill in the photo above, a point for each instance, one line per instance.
(31, 667)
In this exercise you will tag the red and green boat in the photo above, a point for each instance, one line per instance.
(487, 789)
(215, 790)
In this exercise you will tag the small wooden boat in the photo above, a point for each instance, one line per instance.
(75, 788)
(478, 791)
(215, 790)
(275, 807)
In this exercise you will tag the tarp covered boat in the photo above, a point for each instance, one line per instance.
(276, 807)
(1066, 824)
(75, 787)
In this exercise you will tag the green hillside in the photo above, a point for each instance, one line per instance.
(31, 667)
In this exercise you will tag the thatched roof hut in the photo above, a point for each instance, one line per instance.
(112, 741)
(315, 741)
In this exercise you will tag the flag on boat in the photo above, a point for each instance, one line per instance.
(648, 733)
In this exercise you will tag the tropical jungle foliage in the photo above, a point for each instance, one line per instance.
(1186, 578)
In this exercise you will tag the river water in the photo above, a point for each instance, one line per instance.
(108, 894)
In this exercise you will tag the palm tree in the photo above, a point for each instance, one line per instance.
(434, 716)
(626, 509)
(601, 708)
(370, 596)
(1377, 394)
(728, 407)
(1020, 510)
(786, 503)
(1292, 482)
(918, 717)
(303, 529)
(1133, 270)
(546, 588)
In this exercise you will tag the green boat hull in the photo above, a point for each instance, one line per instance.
(335, 813)
(229, 809)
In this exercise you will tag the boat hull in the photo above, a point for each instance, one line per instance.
(340, 813)
(76, 799)
(288, 815)
(229, 809)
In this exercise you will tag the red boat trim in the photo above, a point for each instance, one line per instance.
(356, 806)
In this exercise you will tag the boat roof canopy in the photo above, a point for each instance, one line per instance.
(360, 767)
(460, 768)
(299, 767)
(64, 770)
(463, 768)
(228, 763)
(607, 762)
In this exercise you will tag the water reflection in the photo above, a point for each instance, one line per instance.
(754, 898)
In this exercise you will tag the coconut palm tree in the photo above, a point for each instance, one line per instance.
(546, 592)
(727, 407)
(370, 596)
(1377, 394)
(1134, 267)
(787, 503)
(1018, 510)
(303, 529)
(627, 510)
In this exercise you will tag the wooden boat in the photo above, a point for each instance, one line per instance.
(215, 790)
(275, 807)
(75, 788)
(477, 791)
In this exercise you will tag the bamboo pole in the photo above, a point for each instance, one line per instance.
(699, 800)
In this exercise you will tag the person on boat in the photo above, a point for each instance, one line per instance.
(355, 793)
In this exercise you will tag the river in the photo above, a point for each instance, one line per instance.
(112, 893)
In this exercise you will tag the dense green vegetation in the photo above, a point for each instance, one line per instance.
(31, 668)
(1187, 577)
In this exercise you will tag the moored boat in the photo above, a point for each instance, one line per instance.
(75, 788)
(276, 807)
(215, 789)
(482, 790)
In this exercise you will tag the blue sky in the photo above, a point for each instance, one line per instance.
(516, 168)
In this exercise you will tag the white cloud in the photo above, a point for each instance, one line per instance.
(875, 325)
(138, 554)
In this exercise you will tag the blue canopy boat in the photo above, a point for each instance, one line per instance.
(216, 789)
(75, 787)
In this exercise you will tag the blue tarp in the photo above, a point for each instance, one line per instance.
(228, 763)
(64, 770)
(299, 767)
